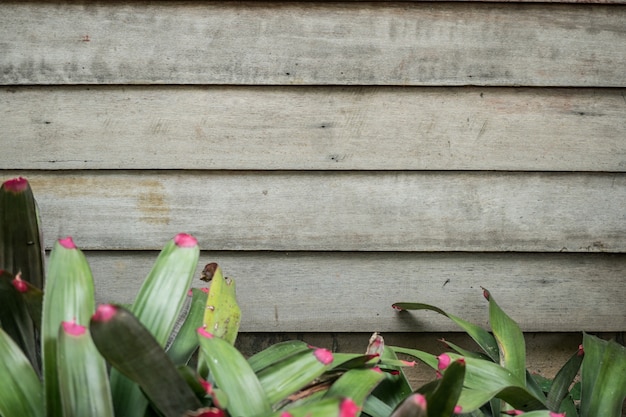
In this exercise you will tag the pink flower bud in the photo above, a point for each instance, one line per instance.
(67, 243)
(72, 328)
(286, 414)
(19, 284)
(325, 356)
(16, 185)
(184, 240)
(203, 332)
(419, 400)
(104, 312)
(348, 408)
(443, 361)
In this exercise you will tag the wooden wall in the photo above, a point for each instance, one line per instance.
(334, 157)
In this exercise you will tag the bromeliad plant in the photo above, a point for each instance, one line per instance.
(55, 349)
(497, 383)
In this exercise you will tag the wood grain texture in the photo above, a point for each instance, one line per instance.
(313, 43)
(387, 211)
(348, 292)
(318, 128)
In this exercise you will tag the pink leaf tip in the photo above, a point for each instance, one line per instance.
(73, 328)
(395, 307)
(104, 312)
(67, 243)
(581, 350)
(443, 361)
(458, 409)
(203, 332)
(16, 185)
(551, 414)
(19, 284)
(486, 293)
(419, 400)
(348, 408)
(325, 356)
(183, 240)
(513, 412)
(286, 414)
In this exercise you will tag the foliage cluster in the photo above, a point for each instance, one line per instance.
(61, 355)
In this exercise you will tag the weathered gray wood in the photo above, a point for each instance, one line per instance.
(313, 43)
(314, 128)
(406, 211)
(347, 292)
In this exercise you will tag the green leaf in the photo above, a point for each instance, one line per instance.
(509, 337)
(222, 315)
(329, 407)
(294, 373)
(482, 337)
(233, 375)
(276, 353)
(83, 376)
(134, 352)
(563, 381)
(185, 342)
(603, 376)
(21, 394)
(375, 407)
(15, 318)
(395, 388)
(69, 296)
(414, 405)
(158, 306)
(21, 245)
(442, 401)
(356, 384)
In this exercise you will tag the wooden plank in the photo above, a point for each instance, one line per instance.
(387, 211)
(314, 128)
(348, 292)
(319, 43)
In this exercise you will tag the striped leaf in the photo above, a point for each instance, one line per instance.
(21, 392)
(83, 376)
(157, 306)
(69, 296)
(233, 375)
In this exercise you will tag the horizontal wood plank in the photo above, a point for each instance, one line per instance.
(302, 128)
(375, 211)
(348, 292)
(313, 43)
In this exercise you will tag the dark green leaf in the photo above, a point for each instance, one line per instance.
(21, 394)
(603, 376)
(185, 342)
(482, 337)
(21, 246)
(563, 381)
(132, 350)
(509, 337)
